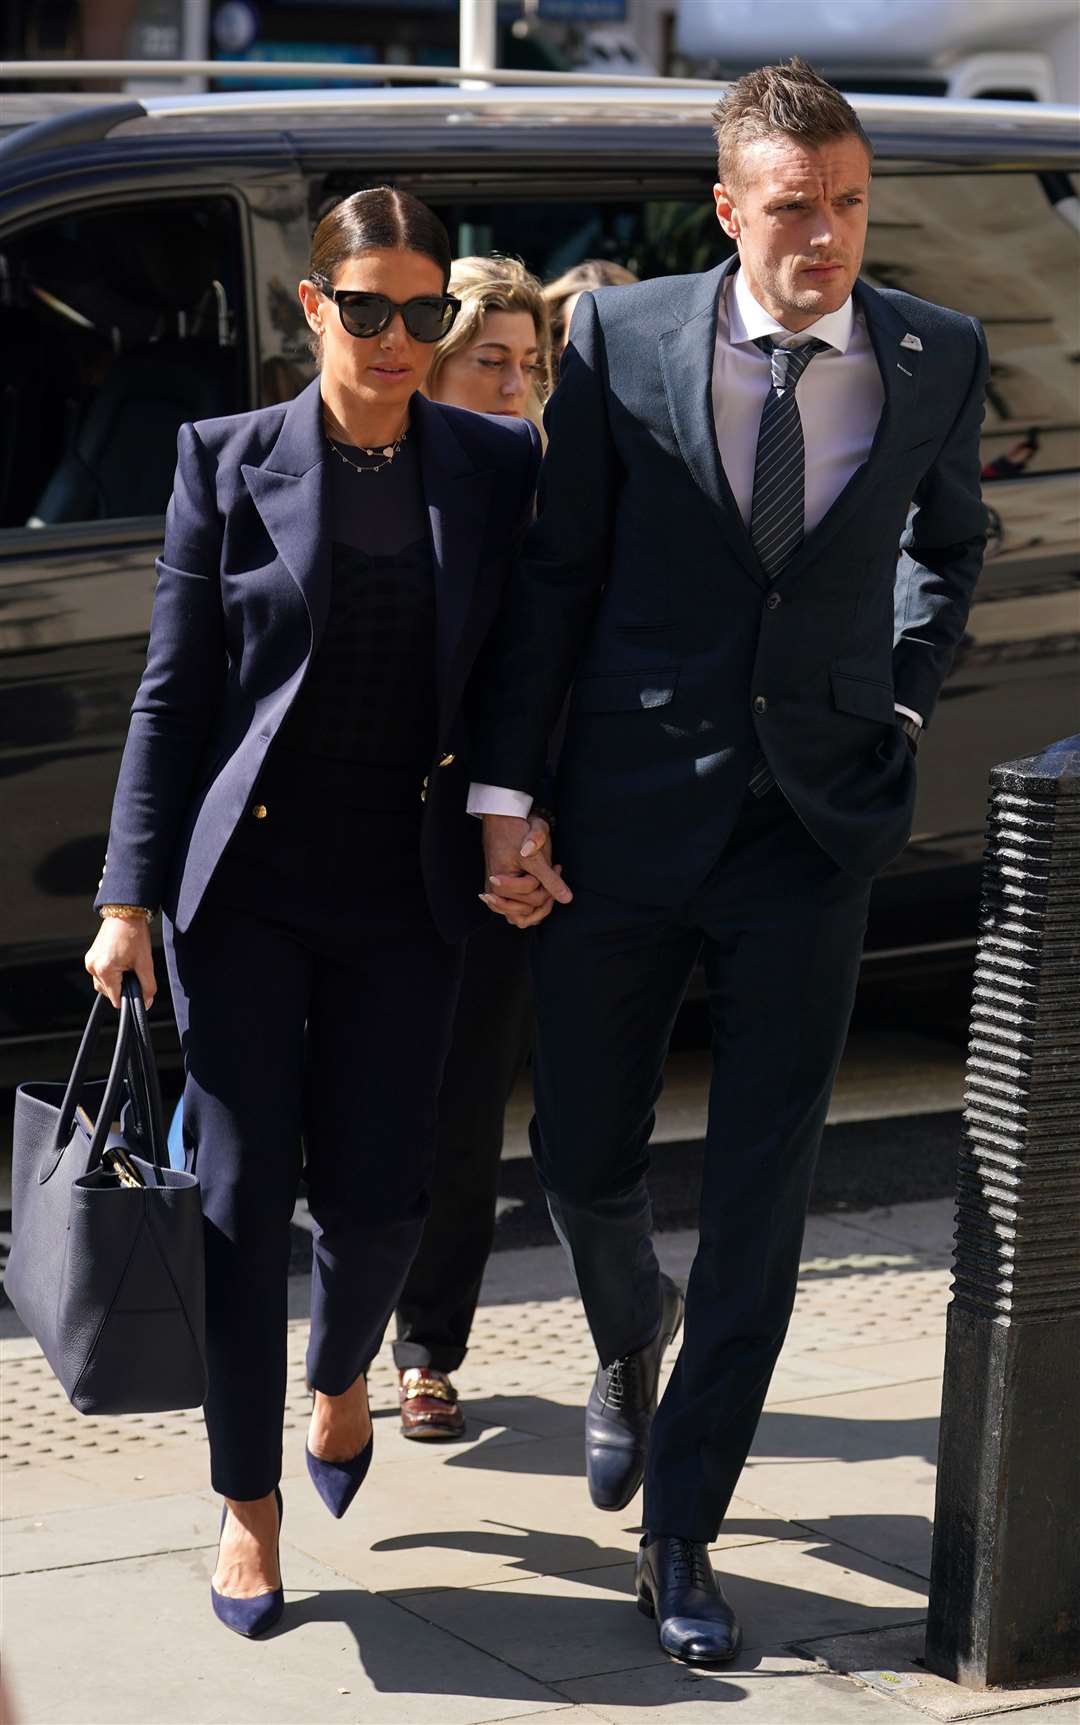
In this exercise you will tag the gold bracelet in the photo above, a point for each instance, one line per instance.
(126, 912)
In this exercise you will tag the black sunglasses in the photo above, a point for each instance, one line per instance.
(428, 317)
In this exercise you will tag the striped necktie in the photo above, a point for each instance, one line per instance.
(778, 507)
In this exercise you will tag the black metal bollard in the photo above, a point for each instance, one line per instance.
(1005, 1579)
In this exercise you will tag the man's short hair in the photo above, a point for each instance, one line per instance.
(790, 99)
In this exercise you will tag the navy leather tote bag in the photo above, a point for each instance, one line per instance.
(106, 1266)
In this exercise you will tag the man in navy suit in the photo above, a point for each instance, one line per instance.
(759, 532)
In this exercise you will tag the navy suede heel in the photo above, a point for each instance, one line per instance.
(254, 1616)
(337, 1482)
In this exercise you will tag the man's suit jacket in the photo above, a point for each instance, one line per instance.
(240, 605)
(639, 586)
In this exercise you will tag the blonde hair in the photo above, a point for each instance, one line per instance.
(485, 285)
(582, 278)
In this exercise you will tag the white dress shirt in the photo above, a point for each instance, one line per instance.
(840, 397)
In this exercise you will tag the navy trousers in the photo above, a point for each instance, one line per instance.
(779, 929)
(492, 1035)
(313, 1010)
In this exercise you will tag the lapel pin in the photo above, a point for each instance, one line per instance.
(913, 342)
(904, 369)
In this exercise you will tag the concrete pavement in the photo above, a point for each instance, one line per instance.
(474, 1582)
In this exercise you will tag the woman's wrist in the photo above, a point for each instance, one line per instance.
(126, 912)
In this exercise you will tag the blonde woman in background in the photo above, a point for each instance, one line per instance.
(496, 360)
(562, 294)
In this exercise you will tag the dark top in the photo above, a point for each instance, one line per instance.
(369, 694)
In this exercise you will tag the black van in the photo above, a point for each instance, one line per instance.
(149, 254)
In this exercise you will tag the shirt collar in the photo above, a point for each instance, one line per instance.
(748, 321)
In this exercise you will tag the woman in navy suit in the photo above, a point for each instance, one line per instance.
(292, 796)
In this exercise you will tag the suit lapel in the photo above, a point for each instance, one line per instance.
(457, 497)
(686, 365)
(291, 492)
(900, 369)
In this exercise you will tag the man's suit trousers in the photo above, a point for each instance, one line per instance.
(779, 929)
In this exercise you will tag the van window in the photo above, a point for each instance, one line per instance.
(993, 245)
(116, 326)
(651, 236)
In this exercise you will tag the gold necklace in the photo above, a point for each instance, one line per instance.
(389, 450)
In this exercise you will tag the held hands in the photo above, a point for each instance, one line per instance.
(122, 944)
(523, 884)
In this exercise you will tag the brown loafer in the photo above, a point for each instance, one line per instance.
(429, 1405)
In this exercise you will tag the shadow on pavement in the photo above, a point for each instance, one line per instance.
(784, 1437)
(529, 1549)
(537, 1637)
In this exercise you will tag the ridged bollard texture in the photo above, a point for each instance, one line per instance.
(1005, 1581)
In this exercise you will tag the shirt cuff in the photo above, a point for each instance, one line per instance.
(908, 714)
(497, 800)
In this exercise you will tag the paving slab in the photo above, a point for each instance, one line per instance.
(887, 1362)
(891, 1662)
(762, 1688)
(555, 1627)
(124, 1473)
(925, 1226)
(526, 1513)
(858, 1468)
(800, 1376)
(779, 1586)
(465, 1527)
(140, 1645)
(83, 1536)
(564, 1627)
(41, 1490)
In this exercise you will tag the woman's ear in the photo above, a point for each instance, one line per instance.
(312, 304)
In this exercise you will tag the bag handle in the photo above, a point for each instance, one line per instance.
(142, 1066)
(133, 1059)
(65, 1124)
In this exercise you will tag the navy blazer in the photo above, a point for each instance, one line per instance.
(241, 601)
(639, 585)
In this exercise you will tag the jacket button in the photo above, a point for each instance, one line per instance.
(447, 761)
(761, 705)
(424, 790)
(259, 811)
(772, 601)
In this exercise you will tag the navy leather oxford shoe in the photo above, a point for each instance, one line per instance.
(676, 1586)
(619, 1412)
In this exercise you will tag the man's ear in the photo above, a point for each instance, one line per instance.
(726, 211)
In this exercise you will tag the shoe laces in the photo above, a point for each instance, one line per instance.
(690, 1564)
(622, 1382)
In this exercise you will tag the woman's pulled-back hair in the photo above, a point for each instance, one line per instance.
(381, 219)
